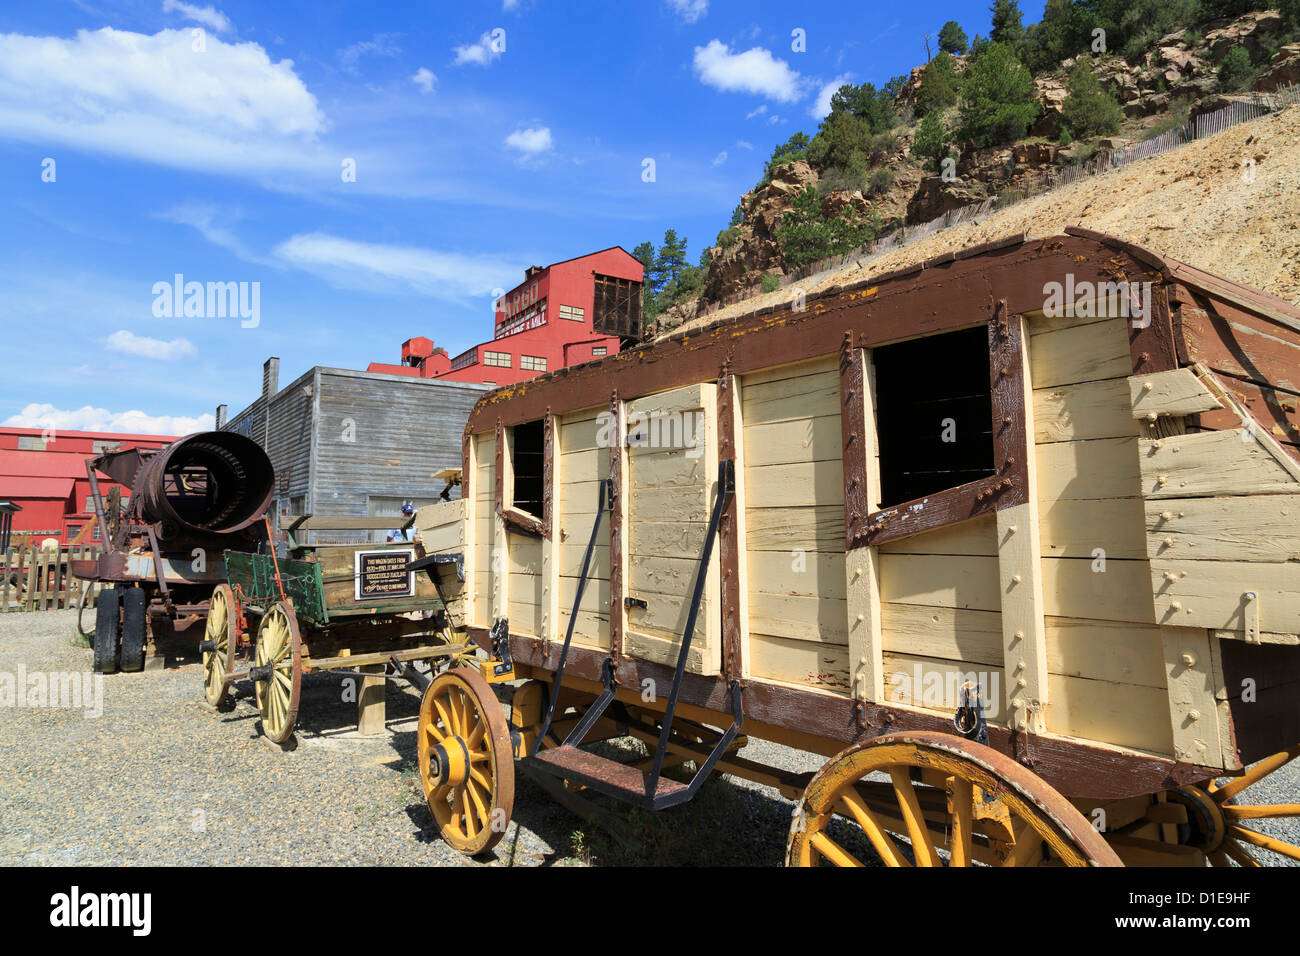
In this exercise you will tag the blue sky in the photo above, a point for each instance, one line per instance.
(485, 137)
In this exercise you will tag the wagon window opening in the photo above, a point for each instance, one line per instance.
(526, 458)
(934, 414)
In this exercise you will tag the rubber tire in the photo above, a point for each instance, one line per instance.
(134, 628)
(106, 612)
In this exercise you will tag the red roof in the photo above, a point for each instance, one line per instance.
(58, 488)
(104, 436)
(43, 464)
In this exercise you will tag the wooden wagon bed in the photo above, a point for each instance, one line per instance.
(1108, 549)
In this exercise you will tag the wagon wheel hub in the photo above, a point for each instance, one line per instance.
(449, 762)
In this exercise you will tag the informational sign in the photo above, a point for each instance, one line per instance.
(385, 574)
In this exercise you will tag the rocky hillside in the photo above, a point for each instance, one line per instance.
(1176, 79)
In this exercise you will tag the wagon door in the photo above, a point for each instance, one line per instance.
(672, 481)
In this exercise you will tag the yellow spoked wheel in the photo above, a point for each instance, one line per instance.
(954, 802)
(1223, 826)
(277, 673)
(221, 633)
(466, 761)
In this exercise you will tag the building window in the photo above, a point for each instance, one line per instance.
(465, 359)
(527, 454)
(598, 351)
(104, 447)
(31, 443)
(939, 434)
(532, 363)
(499, 359)
(573, 312)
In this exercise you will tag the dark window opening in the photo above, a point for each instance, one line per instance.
(934, 414)
(527, 458)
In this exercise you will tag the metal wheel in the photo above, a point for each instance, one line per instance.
(943, 793)
(277, 673)
(222, 632)
(466, 760)
(1223, 825)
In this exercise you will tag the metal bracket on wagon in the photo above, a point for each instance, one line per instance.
(500, 666)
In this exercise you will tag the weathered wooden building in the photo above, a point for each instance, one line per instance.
(350, 443)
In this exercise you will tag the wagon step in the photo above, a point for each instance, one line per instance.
(611, 777)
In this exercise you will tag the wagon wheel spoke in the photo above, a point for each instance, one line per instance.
(922, 849)
(1255, 838)
(881, 842)
(961, 793)
(1236, 811)
(1238, 853)
(1268, 765)
(833, 851)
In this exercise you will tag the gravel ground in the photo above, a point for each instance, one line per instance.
(156, 779)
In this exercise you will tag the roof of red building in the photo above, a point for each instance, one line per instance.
(43, 464)
(35, 487)
(106, 436)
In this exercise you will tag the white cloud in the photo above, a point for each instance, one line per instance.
(424, 79)
(91, 419)
(480, 54)
(141, 346)
(508, 5)
(381, 44)
(744, 145)
(689, 10)
(754, 71)
(530, 141)
(380, 266)
(154, 98)
(205, 218)
(821, 106)
(720, 158)
(773, 120)
(760, 110)
(206, 15)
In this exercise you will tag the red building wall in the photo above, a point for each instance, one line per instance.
(50, 483)
(529, 326)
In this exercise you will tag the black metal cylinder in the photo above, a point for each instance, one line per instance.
(205, 483)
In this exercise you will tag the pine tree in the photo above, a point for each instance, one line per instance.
(1008, 27)
(671, 260)
(999, 98)
(952, 38)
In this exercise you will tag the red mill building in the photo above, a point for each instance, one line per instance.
(563, 314)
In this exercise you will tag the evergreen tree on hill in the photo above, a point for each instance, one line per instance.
(998, 100)
(952, 38)
(1007, 25)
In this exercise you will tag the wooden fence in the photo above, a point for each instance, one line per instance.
(33, 578)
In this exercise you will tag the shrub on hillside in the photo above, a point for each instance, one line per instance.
(999, 99)
(1236, 71)
(1088, 109)
(932, 142)
(938, 87)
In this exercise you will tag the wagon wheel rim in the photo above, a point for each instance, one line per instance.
(466, 760)
(279, 644)
(1240, 842)
(220, 630)
(943, 793)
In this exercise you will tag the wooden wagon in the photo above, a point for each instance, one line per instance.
(1009, 536)
(367, 610)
